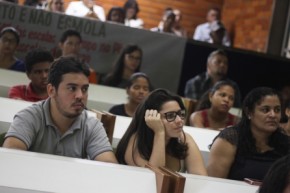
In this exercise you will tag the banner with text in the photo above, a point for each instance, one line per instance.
(102, 41)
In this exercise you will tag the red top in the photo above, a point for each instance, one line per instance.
(204, 116)
(24, 92)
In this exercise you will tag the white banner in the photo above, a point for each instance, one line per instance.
(102, 41)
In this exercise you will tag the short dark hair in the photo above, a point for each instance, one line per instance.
(68, 33)
(216, 52)
(65, 65)
(36, 56)
(116, 8)
(12, 30)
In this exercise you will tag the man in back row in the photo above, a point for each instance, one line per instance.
(59, 125)
(37, 64)
(217, 69)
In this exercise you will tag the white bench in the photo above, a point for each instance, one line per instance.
(35, 172)
(29, 172)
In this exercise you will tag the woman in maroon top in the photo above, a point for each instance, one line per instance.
(214, 113)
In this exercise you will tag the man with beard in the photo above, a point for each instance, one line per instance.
(37, 64)
(217, 68)
(60, 125)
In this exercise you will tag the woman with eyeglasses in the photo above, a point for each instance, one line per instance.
(128, 62)
(213, 108)
(155, 136)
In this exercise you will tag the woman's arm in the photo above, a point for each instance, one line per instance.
(196, 120)
(194, 161)
(221, 158)
(158, 154)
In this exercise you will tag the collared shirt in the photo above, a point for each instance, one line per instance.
(202, 33)
(85, 138)
(201, 83)
(24, 92)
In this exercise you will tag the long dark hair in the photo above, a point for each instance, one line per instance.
(247, 142)
(277, 177)
(115, 76)
(131, 4)
(145, 135)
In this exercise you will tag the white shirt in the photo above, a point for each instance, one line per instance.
(137, 23)
(78, 8)
(202, 32)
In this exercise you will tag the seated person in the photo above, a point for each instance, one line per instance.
(216, 70)
(116, 15)
(59, 125)
(178, 29)
(214, 113)
(206, 31)
(137, 89)
(9, 41)
(55, 6)
(70, 45)
(248, 149)
(131, 14)
(128, 62)
(155, 136)
(167, 23)
(37, 64)
(86, 8)
(277, 180)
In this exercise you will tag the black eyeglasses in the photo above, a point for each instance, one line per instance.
(171, 116)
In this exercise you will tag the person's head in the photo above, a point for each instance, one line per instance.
(129, 59)
(172, 111)
(9, 40)
(213, 14)
(55, 6)
(70, 42)
(116, 14)
(168, 19)
(138, 87)
(68, 85)
(220, 97)
(217, 64)
(262, 109)
(277, 179)
(178, 15)
(131, 9)
(37, 63)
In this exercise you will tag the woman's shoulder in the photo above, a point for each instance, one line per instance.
(230, 134)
